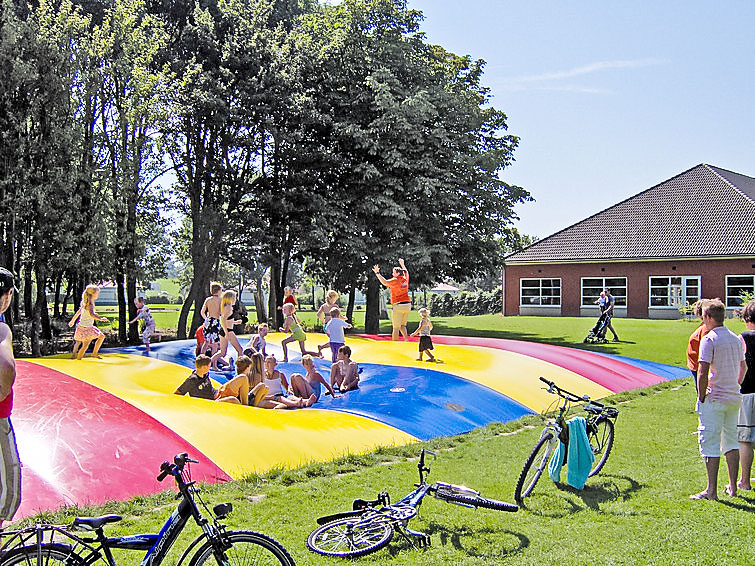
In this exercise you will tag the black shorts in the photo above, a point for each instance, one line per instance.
(425, 343)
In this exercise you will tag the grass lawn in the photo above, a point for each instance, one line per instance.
(635, 512)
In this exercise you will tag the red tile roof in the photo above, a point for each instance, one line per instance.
(704, 212)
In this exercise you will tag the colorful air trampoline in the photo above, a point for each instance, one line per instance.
(96, 430)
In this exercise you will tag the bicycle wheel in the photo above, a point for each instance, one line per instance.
(352, 536)
(534, 467)
(600, 435)
(54, 554)
(476, 501)
(246, 548)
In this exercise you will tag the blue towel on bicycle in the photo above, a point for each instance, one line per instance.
(579, 457)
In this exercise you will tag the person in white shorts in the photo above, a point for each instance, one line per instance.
(720, 372)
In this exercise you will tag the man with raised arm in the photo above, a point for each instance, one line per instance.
(402, 303)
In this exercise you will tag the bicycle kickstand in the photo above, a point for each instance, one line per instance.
(415, 538)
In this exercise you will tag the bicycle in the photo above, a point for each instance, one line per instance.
(600, 433)
(57, 545)
(371, 524)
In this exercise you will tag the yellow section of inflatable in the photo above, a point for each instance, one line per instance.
(514, 375)
(240, 440)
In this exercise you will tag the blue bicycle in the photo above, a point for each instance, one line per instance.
(57, 545)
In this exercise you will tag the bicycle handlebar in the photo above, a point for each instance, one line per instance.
(176, 468)
(563, 393)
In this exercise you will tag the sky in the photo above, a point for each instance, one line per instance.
(608, 98)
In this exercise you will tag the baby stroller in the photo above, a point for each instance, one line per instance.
(598, 333)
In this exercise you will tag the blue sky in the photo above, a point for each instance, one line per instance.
(608, 98)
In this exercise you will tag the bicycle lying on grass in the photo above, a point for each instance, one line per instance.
(600, 430)
(370, 526)
(57, 545)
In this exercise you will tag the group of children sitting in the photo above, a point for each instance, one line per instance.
(258, 383)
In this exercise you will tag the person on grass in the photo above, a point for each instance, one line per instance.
(746, 423)
(720, 372)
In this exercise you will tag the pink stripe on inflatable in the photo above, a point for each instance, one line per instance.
(611, 373)
(79, 444)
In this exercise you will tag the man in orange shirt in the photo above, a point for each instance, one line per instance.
(402, 303)
(693, 348)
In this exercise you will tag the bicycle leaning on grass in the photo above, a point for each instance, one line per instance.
(371, 524)
(600, 432)
(57, 545)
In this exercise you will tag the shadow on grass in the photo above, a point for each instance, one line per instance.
(568, 500)
(486, 542)
(741, 503)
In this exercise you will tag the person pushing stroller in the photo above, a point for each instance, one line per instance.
(606, 302)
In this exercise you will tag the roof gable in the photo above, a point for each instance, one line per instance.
(703, 212)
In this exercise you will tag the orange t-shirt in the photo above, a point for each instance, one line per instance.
(693, 348)
(399, 287)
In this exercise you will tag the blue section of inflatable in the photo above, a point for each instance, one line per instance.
(422, 402)
(662, 370)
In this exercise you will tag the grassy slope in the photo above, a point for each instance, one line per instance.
(635, 512)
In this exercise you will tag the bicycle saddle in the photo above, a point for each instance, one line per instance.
(94, 523)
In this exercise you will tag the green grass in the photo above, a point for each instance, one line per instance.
(635, 512)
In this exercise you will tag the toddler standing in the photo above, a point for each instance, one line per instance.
(149, 322)
(423, 330)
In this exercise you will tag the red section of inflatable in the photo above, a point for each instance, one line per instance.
(612, 374)
(81, 444)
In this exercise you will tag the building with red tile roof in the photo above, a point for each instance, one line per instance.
(689, 237)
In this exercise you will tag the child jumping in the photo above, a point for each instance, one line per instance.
(423, 330)
(210, 312)
(324, 316)
(293, 325)
(334, 329)
(149, 322)
(86, 331)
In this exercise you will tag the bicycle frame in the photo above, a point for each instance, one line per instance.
(157, 545)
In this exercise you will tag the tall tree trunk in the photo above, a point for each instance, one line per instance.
(259, 302)
(133, 331)
(27, 291)
(372, 311)
(122, 321)
(276, 315)
(350, 306)
(40, 320)
(56, 303)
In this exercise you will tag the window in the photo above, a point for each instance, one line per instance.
(735, 286)
(545, 292)
(592, 286)
(674, 292)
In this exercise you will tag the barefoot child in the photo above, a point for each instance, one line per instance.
(149, 322)
(236, 390)
(324, 316)
(277, 386)
(309, 386)
(86, 331)
(257, 342)
(344, 374)
(227, 323)
(293, 325)
(210, 312)
(424, 328)
(334, 329)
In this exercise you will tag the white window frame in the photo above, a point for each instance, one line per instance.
(540, 297)
(624, 296)
(682, 291)
(739, 304)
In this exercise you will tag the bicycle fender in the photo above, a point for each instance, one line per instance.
(337, 516)
(189, 549)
